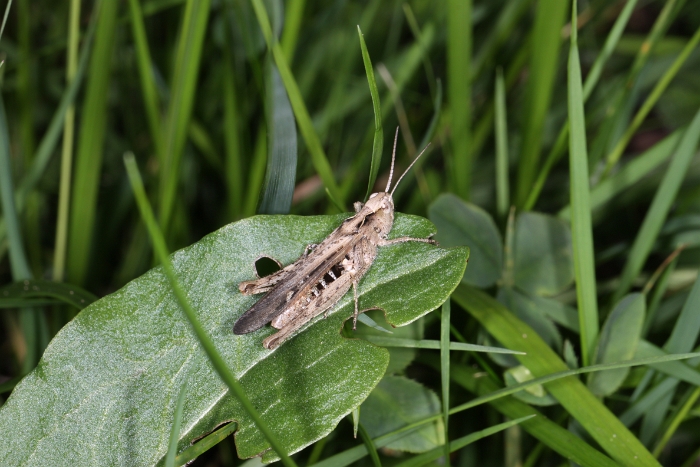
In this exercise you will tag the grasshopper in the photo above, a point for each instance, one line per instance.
(325, 272)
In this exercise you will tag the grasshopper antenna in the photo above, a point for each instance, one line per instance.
(393, 157)
(409, 168)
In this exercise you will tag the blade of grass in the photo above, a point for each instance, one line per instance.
(650, 102)
(541, 360)
(59, 257)
(369, 444)
(434, 454)
(581, 229)
(158, 241)
(19, 265)
(313, 143)
(459, 72)
(183, 89)
(280, 175)
(546, 41)
(203, 445)
(634, 171)
(90, 149)
(147, 81)
(591, 81)
(378, 142)
(435, 344)
(294, 13)
(175, 429)
(53, 133)
(660, 206)
(233, 163)
(445, 374)
(501, 125)
(679, 417)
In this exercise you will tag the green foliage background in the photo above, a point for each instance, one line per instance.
(237, 107)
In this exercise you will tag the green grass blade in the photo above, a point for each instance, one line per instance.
(501, 125)
(459, 72)
(205, 341)
(634, 171)
(59, 257)
(546, 42)
(185, 74)
(445, 373)
(581, 225)
(280, 175)
(660, 206)
(650, 102)
(369, 444)
(148, 85)
(206, 443)
(678, 418)
(313, 143)
(434, 454)
(90, 149)
(233, 163)
(591, 81)
(435, 344)
(175, 429)
(293, 15)
(378, 142)
(541, 360)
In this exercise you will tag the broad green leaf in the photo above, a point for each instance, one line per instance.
(542, 253)
(461, 223)
(106, 388)
(618, 342)
(397, 402)
(528, 310)
(533, 395)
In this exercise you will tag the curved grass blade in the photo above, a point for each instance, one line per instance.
(65, 293)
(435, 344)
(581, 224)
(378, 142)
(458, 444)
(204, 340)
(175, 429)
(280, 175)
(313, 143)
(660, 206)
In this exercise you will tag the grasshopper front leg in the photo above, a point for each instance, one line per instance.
(395, 241)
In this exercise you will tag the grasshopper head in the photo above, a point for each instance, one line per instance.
(381, 207)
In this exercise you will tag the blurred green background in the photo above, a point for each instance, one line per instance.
(223, 127)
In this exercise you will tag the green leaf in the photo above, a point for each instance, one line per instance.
(543, 262)
(461, 223)
(397, 402)
(107, 385)
(618, 342)
(529, 311)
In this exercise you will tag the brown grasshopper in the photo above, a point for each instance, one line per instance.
(325, 272)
